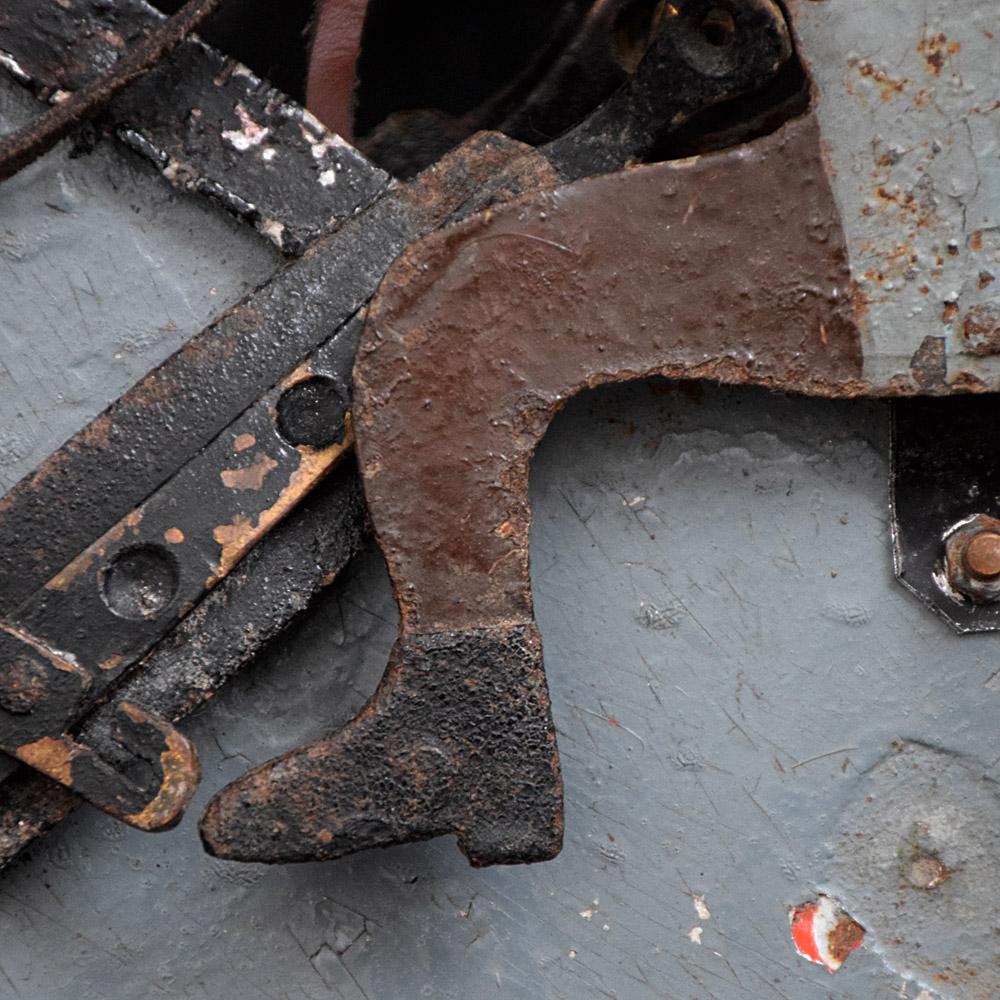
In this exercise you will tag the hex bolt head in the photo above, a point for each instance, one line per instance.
(972, 559)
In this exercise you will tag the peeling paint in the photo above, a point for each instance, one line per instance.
(251, 134)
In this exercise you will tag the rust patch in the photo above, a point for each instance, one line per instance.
(569, 262)
(888, 86)
(111, 663)
(97, 434)
(976, 240)
(238, 537)
(980, 332)
(936, 50)
(60, 661)
(52, 756)
(243, 441)
(85, 560)
(174, 536)
(929, 364)
(985, 278)
(252, 476)
(181, 774)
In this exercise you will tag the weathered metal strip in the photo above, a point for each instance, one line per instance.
(235, 622)
(206, 122)
(116, 462)
(131, 586)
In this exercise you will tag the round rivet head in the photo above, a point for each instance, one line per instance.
(982, 555)
(140, 582)
(311, 413)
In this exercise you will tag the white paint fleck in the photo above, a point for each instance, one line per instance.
(250, 135)
(61, 96)
(694, 935)
(13, 67)
(273, 230)
(700, 908)
(328, 178)
(572, 953)
(269, 154)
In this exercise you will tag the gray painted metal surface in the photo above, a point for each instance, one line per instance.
(909, 105)
(728, 654)
(104, 272)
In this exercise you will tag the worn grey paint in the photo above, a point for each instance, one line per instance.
(711, 571)
(911, 125)
(104, 273)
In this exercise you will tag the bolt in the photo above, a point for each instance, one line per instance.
(927, 871)
(311, 413)
(982, 555)
(972, 559)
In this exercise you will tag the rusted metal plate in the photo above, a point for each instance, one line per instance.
(507, 315)
(206, 122)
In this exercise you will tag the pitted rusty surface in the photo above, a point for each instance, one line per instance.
(477, 337)
(731, 267)
(458, 739)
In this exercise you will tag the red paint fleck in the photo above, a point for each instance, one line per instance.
(824, 934)
(613, 721)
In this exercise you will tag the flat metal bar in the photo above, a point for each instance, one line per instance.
(207, 123)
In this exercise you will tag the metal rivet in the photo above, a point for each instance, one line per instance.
(140, 582)
(982, 555)
(312, 413)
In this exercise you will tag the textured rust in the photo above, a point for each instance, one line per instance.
(458, 739)
(731, 267)
(844, 937)
(980, 333)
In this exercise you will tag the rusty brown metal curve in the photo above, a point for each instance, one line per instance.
(730, 267)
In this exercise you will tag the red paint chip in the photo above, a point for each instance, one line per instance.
(823, 933)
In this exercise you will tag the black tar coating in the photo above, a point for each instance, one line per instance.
(458, 739)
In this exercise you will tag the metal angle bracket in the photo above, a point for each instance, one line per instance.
(945, 505)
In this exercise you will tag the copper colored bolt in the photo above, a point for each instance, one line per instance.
(982, 556)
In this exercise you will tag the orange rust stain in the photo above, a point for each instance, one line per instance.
(237, 538)
(174, 536)
(950, 312)
(111, 662)
(51, 756)
(68, 574)
(244, 441)
(985, 278)
(976, 240)
(888, 86)
(97, 434)
(181, 774)
(59, 661)
(936, 49)
(252, 477)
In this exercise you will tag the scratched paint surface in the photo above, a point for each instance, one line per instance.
(70, 230)
(909, 106)
(727, 652)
